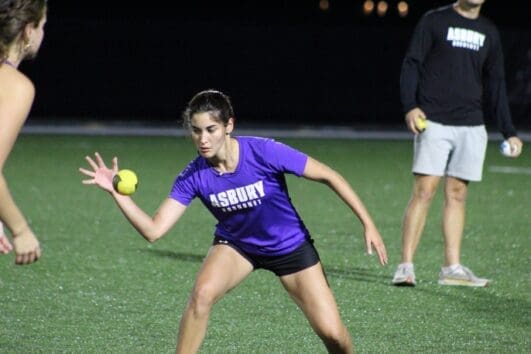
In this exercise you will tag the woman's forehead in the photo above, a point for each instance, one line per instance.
(204, 119)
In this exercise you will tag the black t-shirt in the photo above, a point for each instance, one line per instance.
(453, 69)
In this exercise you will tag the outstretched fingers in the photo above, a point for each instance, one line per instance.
(98, 173)
(91, 162)
(115, 164)
(88, 173)
(99, 159)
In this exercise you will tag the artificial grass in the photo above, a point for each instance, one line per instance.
(100, 287)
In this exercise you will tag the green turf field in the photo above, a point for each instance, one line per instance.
(100, 288)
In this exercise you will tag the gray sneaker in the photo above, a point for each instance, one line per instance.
(461, 276)
(404, 275)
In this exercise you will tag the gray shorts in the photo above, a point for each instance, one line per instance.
(448, 150)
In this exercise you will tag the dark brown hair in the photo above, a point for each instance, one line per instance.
(14, 16)
(212, 101)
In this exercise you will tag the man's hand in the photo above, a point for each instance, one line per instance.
(411, 117)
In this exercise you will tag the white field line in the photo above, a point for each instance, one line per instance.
(328, 132)
(510, 170)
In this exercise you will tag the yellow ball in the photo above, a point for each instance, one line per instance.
(421, 124)
(125, 182)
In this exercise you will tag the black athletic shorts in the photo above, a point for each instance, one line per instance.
(301, 258)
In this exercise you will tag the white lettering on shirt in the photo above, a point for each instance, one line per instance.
(465, 38)
(239, 198)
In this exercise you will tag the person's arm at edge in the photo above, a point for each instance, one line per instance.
(13, 114)
(496, 95)
(319, 172)
(410, 74)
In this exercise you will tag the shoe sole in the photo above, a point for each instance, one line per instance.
(460, 282)
(406, 282)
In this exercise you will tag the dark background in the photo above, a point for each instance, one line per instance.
(282, 62)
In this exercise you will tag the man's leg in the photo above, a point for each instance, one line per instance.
(453, 222)
(415, 215)
(454, 273)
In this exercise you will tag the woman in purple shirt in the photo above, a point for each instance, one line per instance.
(241, 180)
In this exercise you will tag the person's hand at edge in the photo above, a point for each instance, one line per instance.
(516, 146)
(27, 248)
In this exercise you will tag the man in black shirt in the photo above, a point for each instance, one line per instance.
(453, 66)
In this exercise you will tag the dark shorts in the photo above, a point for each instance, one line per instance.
(301, 258)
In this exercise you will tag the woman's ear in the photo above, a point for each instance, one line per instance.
(230, 126)
(26, 36)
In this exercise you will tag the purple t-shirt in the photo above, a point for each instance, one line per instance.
(251, 204)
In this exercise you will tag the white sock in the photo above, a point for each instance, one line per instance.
(451, 268)
(407, 265)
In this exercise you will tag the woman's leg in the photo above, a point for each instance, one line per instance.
(222, 270)
(309, 289)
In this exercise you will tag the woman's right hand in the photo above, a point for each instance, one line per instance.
(100, 175)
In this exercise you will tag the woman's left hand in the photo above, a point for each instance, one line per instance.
(373, 239)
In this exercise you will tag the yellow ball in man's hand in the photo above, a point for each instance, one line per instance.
(421, 123)
(125, 182)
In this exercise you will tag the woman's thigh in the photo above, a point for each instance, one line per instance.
(222, 270)
(310, 290)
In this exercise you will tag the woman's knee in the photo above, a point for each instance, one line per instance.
(202, 299)
(335, 336)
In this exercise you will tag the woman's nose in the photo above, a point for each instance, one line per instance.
(203, 137)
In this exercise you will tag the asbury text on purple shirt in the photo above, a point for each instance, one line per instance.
(251, 204)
